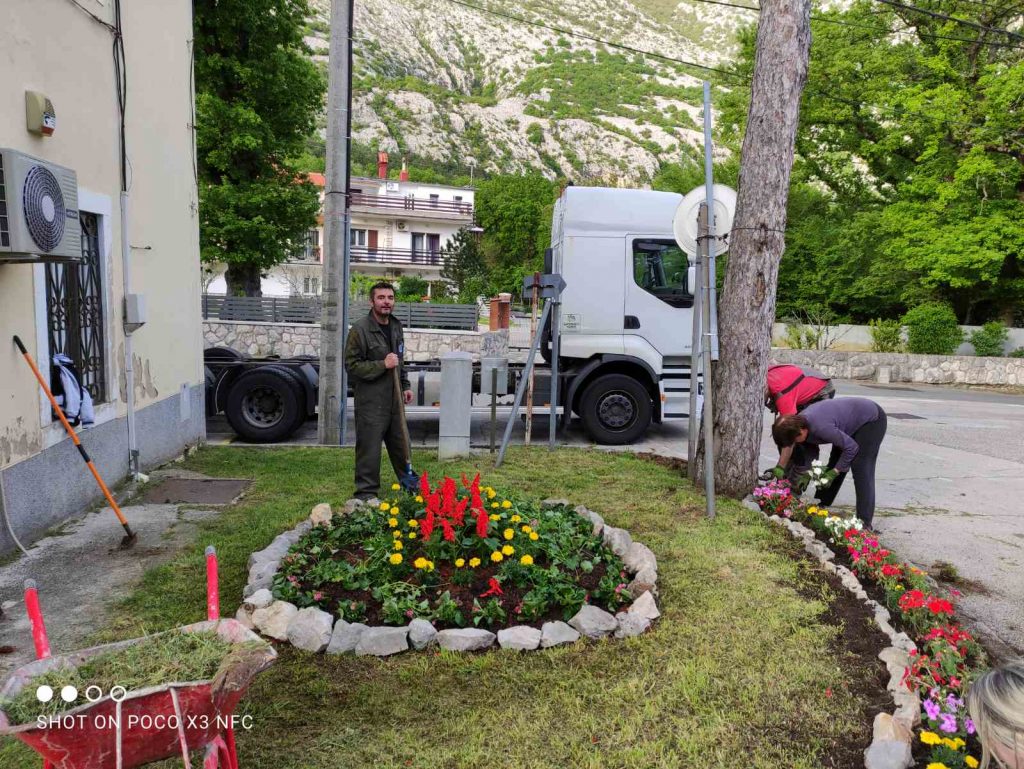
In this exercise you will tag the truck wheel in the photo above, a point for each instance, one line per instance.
(616, 409)
(262, 406)
(222, 353)
(294, 376)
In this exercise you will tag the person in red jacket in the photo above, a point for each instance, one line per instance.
(789, 390)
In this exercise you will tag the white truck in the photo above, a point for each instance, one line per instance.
(626, 330)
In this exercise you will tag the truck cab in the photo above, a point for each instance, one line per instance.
(626, 319)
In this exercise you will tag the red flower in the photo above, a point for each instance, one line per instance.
(940, 606)
(449, 532)
(427, 525)
(460, 512)
(424, 486)
(892, 571)
(448, 496)
(465, 481)
(912, 599)
(493, 588)
(482, 521)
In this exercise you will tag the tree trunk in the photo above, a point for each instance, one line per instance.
(747, 309)
(243, 279)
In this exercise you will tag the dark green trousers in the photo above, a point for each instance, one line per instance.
(373, 427)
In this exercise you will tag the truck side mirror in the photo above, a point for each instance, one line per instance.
(691, 278)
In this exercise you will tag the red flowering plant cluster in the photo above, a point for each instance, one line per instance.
(776, 497)
(947, 657)
(457, 554)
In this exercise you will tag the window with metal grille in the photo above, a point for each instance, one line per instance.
(74, 311)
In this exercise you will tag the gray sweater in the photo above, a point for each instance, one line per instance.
(834, 421)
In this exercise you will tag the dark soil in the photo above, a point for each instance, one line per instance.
(510, 598)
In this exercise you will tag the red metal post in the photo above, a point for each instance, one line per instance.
(212, 589)
(35, 616)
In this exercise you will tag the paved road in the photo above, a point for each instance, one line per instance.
(950, 485)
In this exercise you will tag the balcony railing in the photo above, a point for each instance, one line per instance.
(410, 203)
(365, 255)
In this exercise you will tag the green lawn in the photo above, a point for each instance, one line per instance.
(738, 672)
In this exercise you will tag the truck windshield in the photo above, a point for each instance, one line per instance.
(659, 268)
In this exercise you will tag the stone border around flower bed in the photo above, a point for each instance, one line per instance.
(315, 630)
(892, 733)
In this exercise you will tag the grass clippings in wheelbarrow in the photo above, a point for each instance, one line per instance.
(164, 658)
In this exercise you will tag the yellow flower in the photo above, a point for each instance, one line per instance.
(474, 562)
(396, 533)
(491, 493)
(430, 565)
(930, 738)
(506, 504)
(420, 563)
(526, 560)
(508, 534)
(460, 562)
(392, 522)
(495, 517)
(395, 487)
(971, 761)
(496, 556)
(398, 544)
(812, 509)
(959, 743)
(508, 550)
(419, 498)
(534, 536)
(412, 535)
(494, 504)
(413, 523)
(385, 506)
(515, 519)
(396, 559)
(526, 529)
(394, 511)
(949, 743)
(937, 765)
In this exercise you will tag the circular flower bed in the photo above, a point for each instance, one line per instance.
(456, 556)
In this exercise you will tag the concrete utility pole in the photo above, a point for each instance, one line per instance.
(758, 239)
(334, 317)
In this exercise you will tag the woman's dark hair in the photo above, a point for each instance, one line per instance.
(787, 428)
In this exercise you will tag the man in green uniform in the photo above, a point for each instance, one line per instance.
(375, 346)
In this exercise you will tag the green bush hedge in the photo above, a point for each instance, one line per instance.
(886, 336)
(988, 340)
(932, 329)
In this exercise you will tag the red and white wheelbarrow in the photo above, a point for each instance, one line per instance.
(146, 725)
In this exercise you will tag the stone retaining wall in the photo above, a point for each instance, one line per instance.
(288, 339)
(903, 367)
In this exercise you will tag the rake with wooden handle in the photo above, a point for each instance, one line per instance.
(410, 479)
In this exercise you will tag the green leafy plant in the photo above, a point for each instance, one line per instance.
(886, 335)
(1017, 353)
(932, 329)
(988, 341)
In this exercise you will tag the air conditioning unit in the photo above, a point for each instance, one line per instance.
(400, 226)
(38, 210)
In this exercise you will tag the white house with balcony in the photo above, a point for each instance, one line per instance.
(398, 229)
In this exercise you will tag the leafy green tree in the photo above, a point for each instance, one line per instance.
(464, 266)
(910, 166)
(257, 99)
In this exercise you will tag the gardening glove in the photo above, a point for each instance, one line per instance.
(802, 482)
(776, 473)
(827, 478)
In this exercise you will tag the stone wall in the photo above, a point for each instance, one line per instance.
(903, 367)
(288, 339)
(858, 338)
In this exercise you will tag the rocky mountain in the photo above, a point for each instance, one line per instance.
(456, 88)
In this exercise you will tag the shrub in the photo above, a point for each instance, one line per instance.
(413, 286)
(932, 329)
(988, 340)
(1018, 353)
(886, 336)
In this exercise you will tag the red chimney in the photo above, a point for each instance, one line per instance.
(382, 165)
(404, 175)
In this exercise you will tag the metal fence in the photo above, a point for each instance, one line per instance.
(303, 309)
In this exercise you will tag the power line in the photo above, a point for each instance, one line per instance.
(591, 38)
(93, 16)
(937, 15)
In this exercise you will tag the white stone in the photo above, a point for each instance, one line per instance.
(645, 580)
(521, 637)
(421, 634)
(888, 754)
(618, 540)
(594, 622)
(886, 727)
(321, 515)
(465, 639)
(261, 599)
(630, 624)
(245, 617)
(598, 523)
(382, 641)
(556, 634)
(638, 556)
(345, 637)
(552, 502)
(310, 629)
(273, 620)
(645, 606)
